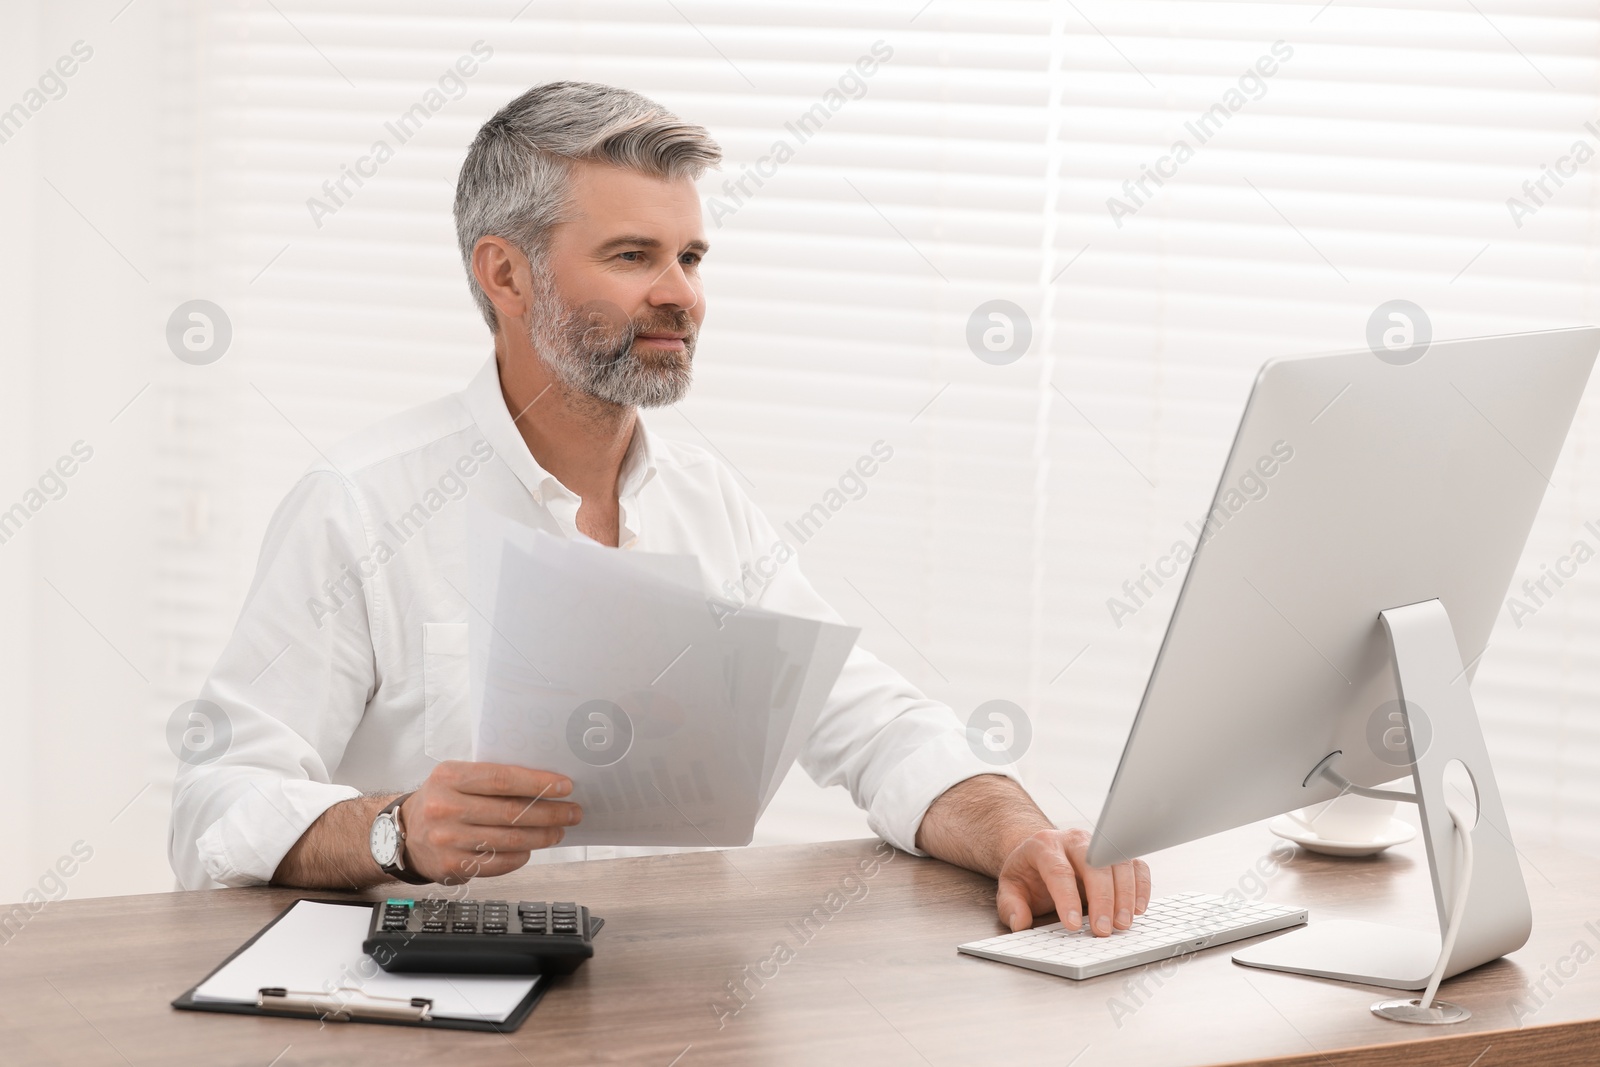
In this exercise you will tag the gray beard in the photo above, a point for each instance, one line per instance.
(590, 348)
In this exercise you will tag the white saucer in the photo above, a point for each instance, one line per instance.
(1398, 833)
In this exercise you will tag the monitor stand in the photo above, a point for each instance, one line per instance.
(1497, 917)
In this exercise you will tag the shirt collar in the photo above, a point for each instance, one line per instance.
(486, 403)
(639, 462)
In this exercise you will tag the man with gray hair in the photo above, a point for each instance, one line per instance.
(339, 746)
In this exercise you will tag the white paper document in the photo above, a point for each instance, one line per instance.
(316, 949)
(675, 715)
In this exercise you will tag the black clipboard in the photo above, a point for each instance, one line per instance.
(295, 1008)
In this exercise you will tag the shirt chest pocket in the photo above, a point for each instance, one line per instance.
(446, 684)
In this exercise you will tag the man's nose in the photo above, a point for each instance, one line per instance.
(674, 287)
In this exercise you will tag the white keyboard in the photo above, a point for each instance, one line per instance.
(1171, 926)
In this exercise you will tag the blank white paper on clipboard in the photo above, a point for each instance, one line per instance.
(316, 949)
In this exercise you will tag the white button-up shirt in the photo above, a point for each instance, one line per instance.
(347, 672)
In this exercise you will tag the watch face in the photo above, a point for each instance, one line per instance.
(384, 840)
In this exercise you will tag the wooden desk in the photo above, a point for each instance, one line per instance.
(879, 982)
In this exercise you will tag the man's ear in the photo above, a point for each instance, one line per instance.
(505, 276)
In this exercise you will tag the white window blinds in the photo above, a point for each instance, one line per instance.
(892, 166)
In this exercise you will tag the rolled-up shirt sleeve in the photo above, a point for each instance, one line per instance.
(284, 697)
(893, 748)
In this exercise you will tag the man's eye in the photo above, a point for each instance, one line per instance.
(690, 258)
(626, 255)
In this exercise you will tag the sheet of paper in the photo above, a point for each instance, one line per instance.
(675, 720)
(831, 649)
(618, 660)
(316, 948)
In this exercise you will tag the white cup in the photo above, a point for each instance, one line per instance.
(1348, 819)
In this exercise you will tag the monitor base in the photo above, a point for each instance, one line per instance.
(1348, 950)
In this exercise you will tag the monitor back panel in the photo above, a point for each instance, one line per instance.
(1389, 485)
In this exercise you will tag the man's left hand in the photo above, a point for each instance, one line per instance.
(1049, 871)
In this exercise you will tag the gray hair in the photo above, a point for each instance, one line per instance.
(515, 180)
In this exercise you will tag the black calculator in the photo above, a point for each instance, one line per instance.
(435, 936)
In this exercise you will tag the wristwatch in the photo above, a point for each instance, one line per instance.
(387, 840)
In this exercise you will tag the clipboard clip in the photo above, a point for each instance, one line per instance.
(330, 1006)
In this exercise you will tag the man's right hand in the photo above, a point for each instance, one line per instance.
(471, 819)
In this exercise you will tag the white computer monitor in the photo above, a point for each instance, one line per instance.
(1360, 578)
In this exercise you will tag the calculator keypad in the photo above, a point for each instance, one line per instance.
(429, 935)
(492, 917)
